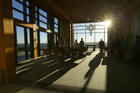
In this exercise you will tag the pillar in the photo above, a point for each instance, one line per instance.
(7, 44)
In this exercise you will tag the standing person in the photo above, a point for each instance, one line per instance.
(76, 46)
(81, 49)
(81, 43)
(101, 45)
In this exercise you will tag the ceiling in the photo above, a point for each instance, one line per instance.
(81, 10)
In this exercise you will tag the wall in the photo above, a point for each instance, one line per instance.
(65, 29)
(137, 21)
(125, 24)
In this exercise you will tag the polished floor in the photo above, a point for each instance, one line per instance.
(95, 73)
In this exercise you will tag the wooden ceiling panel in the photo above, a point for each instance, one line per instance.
(80, 10)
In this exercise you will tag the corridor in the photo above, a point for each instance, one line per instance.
(95, 73)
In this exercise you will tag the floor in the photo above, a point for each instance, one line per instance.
(95, 73)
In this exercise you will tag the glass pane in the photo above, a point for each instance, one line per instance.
(55, 30)
(17, 5)
(79, 36)
(42, 18)
(80, 31)
(17, 15)
(89, 39)
(56, 20)
(36, 22)
(29, 47)
(28, 20)
(98, 37)
(81, 24)
(27, 3)
(43, 42)
(74, 28)
(99, 30)
(55, 41)
(27, 11)
(81, 27)
(43, 25)
(43, 12)
(74, 24)
(99, 23)
(55, 25)
(35, 8)
(20, 44)
(36, 15)
(75, 37)
(99, 26)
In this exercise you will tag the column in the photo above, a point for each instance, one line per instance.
(7, 42)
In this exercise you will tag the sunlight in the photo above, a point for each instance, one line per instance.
(107, 23)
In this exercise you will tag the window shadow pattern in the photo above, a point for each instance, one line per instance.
(44, 72)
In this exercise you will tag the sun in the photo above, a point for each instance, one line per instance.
(107, 23)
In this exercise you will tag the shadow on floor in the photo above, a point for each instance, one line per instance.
(93, 64)
(42, 74)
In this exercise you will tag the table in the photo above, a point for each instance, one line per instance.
(92, 46)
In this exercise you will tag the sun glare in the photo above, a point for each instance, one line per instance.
(107, 23)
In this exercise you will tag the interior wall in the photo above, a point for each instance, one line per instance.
(124, 25)
(137, 21)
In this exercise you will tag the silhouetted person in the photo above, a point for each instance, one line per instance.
(76, 46)
(81, 43)
(101, 45)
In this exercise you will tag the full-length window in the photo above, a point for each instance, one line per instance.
(43, 21)
(21, 10)
(23, 43)
(98, 32)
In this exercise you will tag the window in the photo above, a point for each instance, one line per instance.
(21, 10)
(23, 43)
(42, 42)
(41, 18)
(99, 32)
(55, 25)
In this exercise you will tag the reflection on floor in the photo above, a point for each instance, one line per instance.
(95, 73)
